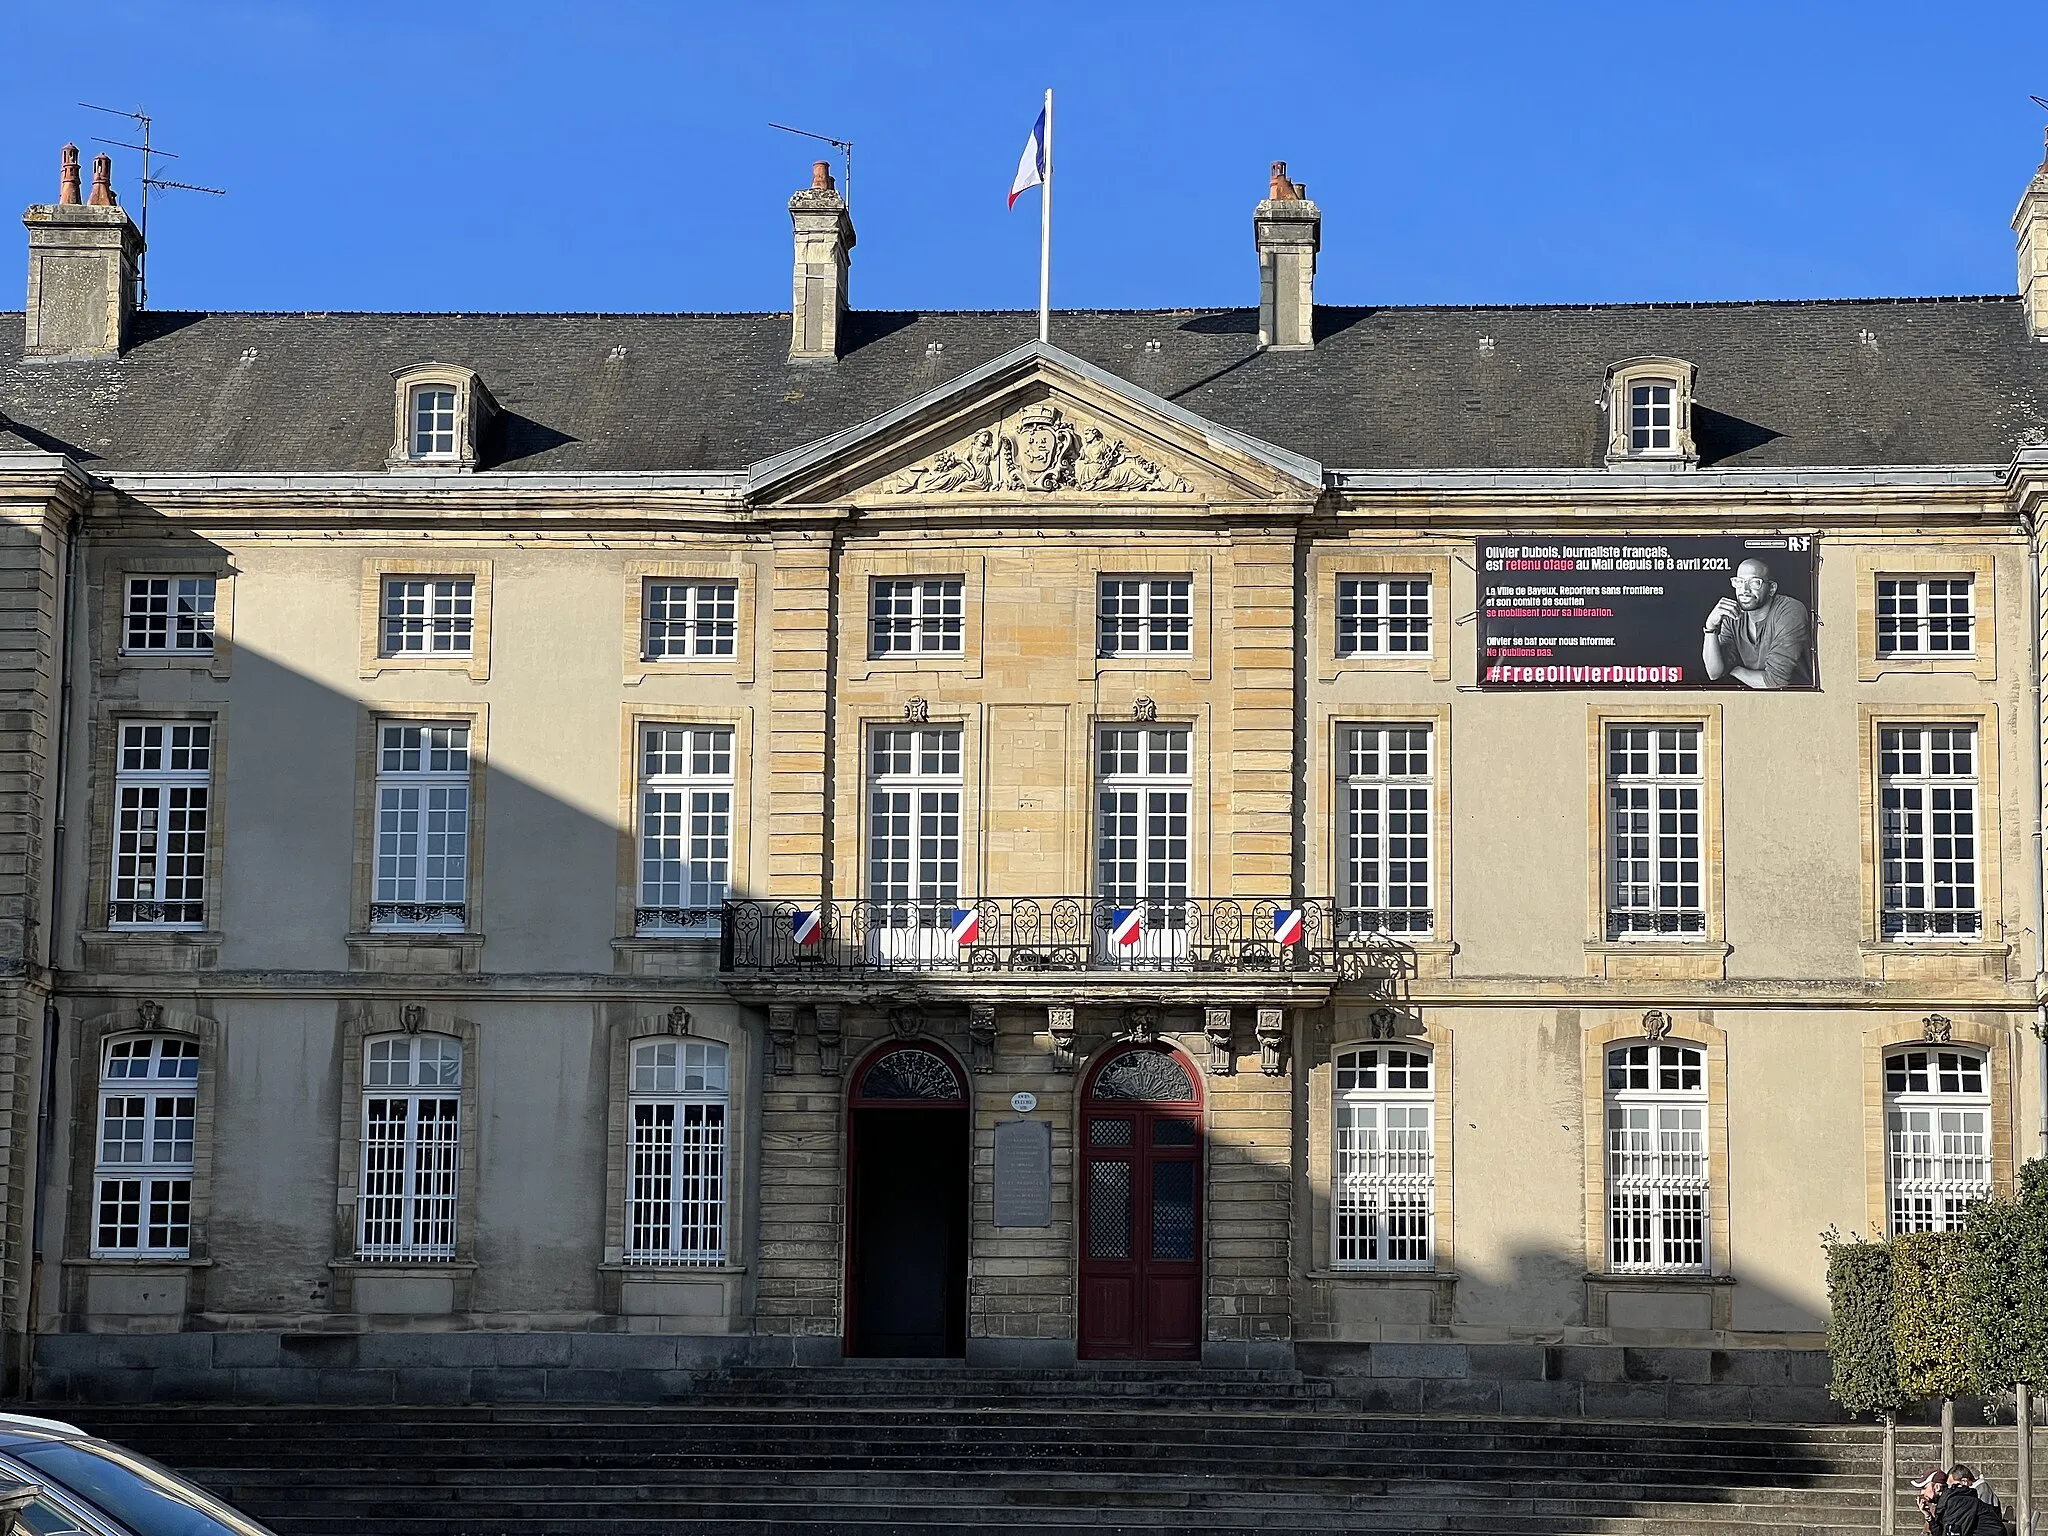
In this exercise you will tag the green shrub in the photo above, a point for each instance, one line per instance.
(1866, 1362)
(2005, 1284)
(1931, 1317)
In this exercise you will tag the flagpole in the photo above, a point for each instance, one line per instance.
(1045, 233)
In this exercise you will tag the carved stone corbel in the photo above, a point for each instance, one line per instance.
(1144, 709)
(782, 1038)
(906, 1023)
(1059, 1023)
(829, 1035)
(981, 1036)
(1222, 1053)
(1383, 1024)
(412, 1018)
(1141, 1024)
(1938, 1028)
(676, 1021)
(150, 1013)
(916, 709)
(1272, 1030)
(1656, 1024)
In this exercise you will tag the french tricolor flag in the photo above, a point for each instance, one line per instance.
(966, 924)
(1287, 925)
(807, 927)
(1125, 926)
(1031, 165)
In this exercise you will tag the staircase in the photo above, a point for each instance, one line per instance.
(930, 1449)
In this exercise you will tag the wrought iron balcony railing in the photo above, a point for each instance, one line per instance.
(1051, 934)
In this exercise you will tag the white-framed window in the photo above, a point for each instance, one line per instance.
(1937, 1111)
(163, 784)
(1657, 1185)
(1655, 834)
(1144, 793)
(686, 789)
(173, 614)
(1926, 616)
(431, 417)
(1384, 1153)
(422, 826)
(1383, 616)
(914, 789)
(676, 1155)
(1140, 615)
(149, 1099)
(429, 615)
(1927, 789)
(690, 618)
(918, 616)
(1653, 416)
(412, 1146)
(1385, 781)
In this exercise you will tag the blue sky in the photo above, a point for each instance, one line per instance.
(612, 156)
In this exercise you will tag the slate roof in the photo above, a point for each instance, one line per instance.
(1827, 383)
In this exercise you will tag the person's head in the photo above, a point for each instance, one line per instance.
(1962, 1475)
(1933, 1482)
(1753, 585)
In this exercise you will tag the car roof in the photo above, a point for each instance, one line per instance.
(27, 1421)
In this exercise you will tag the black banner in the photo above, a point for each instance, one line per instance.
(1708, 611)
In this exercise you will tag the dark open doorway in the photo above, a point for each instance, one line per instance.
(907, 1206)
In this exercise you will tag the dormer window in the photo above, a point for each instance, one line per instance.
(1649, 412)
(439, 414)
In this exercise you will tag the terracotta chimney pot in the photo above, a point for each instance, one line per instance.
(821, 176)
(103, 183)
(68, 193)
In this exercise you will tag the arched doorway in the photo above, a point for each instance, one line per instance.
(906, 1205)
(1141, 1208)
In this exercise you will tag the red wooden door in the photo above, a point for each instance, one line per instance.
(1141, 1209)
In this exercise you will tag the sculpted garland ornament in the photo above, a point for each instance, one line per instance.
(1045, 453)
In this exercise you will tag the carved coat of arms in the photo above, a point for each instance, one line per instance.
(1043, 452)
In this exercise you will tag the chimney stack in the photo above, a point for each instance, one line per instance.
(2031, 225)
(81, 267)
(824, 236)
(1288, 230)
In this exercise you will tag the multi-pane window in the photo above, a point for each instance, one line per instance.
(429, 615)
(412, 1146)
(918, 617)
(676, 1161)
(170, 613)
(1651, 416)
(914, 791)
(1937, 1137)
(1144, 790)
(690, 618)
(1655, 787)
(1657, 1206)
(686, 787)
(1926, 616)
(1385, 781)
(1384, 1152)
(143, 1171)
(433, 423)
(1927, 790)
(1378, 616)
(422, 826)
(162, 803)
(1135, 615)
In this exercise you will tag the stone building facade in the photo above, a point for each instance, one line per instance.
(551, 854)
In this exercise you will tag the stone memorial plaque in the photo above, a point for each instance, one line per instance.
(1023, 1173)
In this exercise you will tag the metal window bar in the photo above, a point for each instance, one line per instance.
(1144, 614)
(921, 617)
(690, 619)
(1926, 616)
(1383, 616)
(170, 613)
(429, 615)
(677, 1195)
(411, 1156)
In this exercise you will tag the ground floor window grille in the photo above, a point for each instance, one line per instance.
(412, 1123)
(676, 1199)
(1657, 1185)
(1385, 1156)
(1937, 1137)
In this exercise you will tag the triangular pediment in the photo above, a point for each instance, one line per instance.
(1041, 427)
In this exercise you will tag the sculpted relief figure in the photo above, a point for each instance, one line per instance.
(1047, 452)
(1110, 466)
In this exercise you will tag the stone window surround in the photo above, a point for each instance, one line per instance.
(1600, 1030)
(1331, 563)
(360, 1023)
(1324, 849)
(736, 569)
(1357, 1025)
(110, 588)
(1872, 565)
(428, 949)
(630, 1025)
(151, 949)
(1704, 958)
(89, 1040)
(1621, 376)
(1138, 559)
(1995, 1040)
(634, 716)
(858, 572)
(1981, 960)
(371, 660)
(849, 850)
(473, 409)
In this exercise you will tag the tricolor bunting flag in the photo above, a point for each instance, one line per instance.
(966, 924)
(1031, 166)
(807, 927)
(1287, 925)
(1124, 925)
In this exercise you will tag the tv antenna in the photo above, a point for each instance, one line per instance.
(844, 146)
(149, 179)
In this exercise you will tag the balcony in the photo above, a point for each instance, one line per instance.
(1047, 935)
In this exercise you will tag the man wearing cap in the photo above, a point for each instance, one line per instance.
(1930, 1489)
